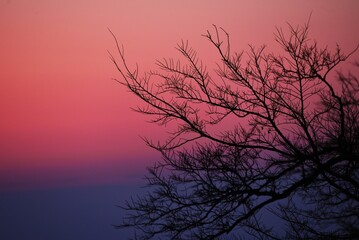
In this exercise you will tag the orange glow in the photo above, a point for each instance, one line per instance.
(64, 121)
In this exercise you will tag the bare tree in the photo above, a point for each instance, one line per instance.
(263, 133)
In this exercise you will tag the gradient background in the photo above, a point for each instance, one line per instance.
(69, 143)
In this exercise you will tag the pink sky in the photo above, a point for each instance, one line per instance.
(64, 122)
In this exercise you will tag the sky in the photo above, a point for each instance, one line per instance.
(65, 123)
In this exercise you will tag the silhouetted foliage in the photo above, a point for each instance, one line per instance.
(264, 134)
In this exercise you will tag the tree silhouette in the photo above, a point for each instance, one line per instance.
(264, 134)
